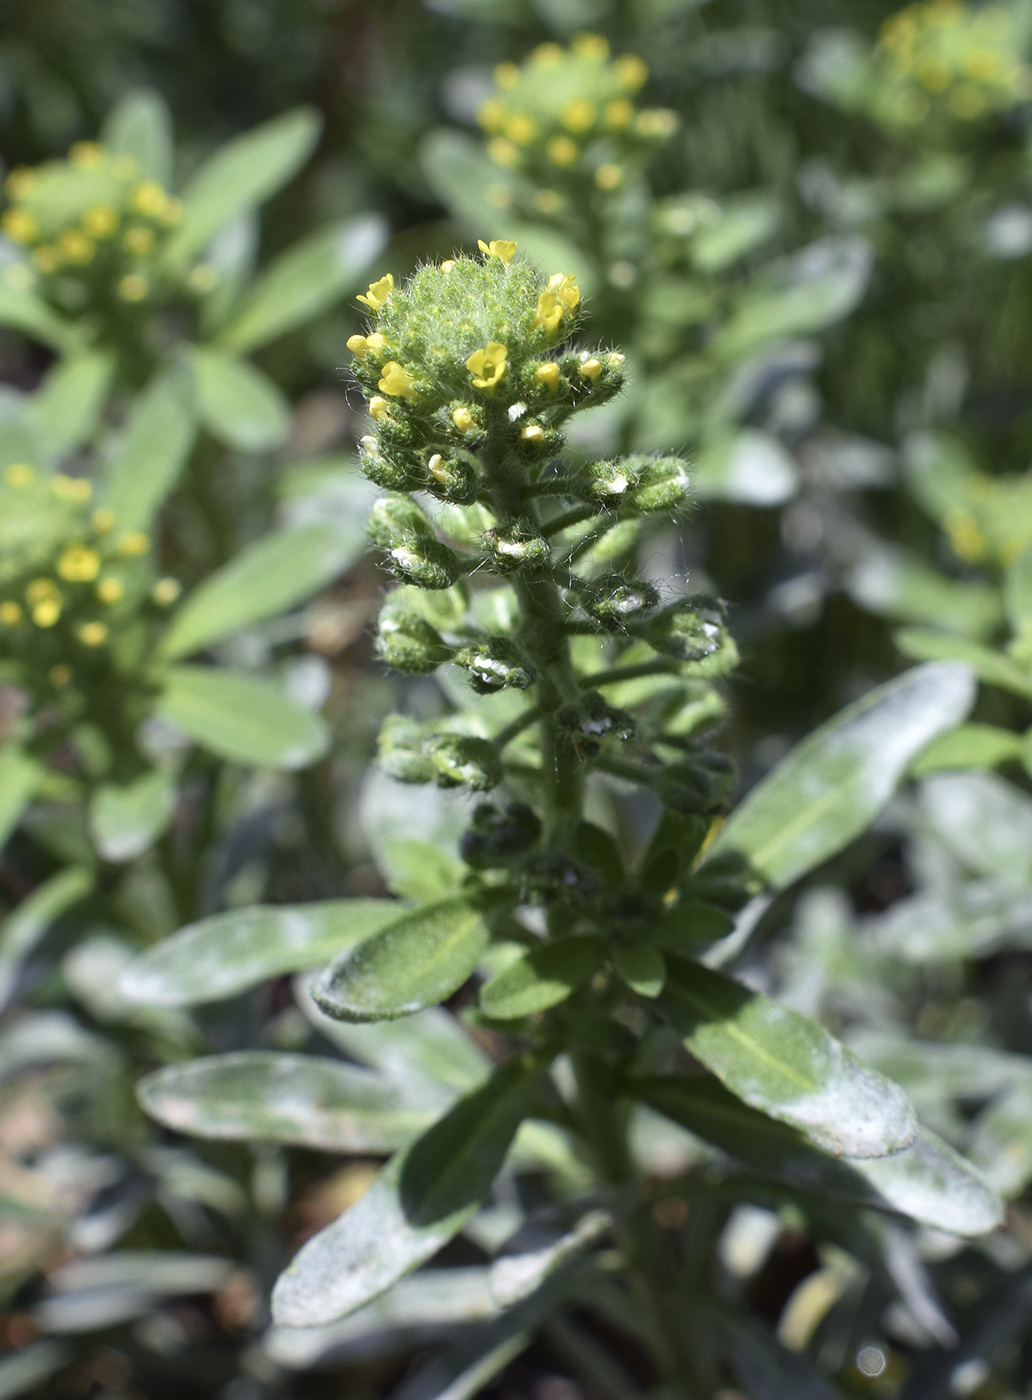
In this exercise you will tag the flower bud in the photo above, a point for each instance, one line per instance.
(662, 484)
(407, 642)
(615, 601)
(426, 563)
(384, 470)
(461, 760)
(396, 519)
(451, 479)
(701, 784)
(591, 721)
(689, 629)
(605, 483)
(511, 548)
(495, 664)
(497, 836)
(402, 746)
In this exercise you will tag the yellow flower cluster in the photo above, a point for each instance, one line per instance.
(947, 56)
(570, 109)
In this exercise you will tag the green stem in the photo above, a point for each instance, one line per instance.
(567, 520)
(615, 674)
(516, 727)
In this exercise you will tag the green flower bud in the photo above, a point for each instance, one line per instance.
(615, 601)
(689, 629)
(426, 563)
(511, 548)
(396, 519)
(495, 664)
(402, 747)
(591, 721)
(460, 760)
(496, 836)
(701, 785)
(407, 642)
(555, 879)
(451, 479)
(605, 483)
(385, 471)
(662, 484)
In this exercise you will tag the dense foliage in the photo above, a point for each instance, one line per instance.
(515, 666)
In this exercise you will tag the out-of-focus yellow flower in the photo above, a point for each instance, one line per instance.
(500, 248)
(488, 366)
(491, 114)
(10, 614)
(657, 121)
(76, 248)
(71, 488)
(378, 292)
(19, 225)
(78, 564)
(609, 176)
(396, 381)
(134, 544)
(93, 634)
(100, 220)
(149, 199)
(546, 56)
(503, 152)
(579, 115)
(46, 259)
(19, 182)
(632, 71)
(619, 113)
(87, 154)
(19, 474)
(45, 601)
(110, 590)
(506, 75)
(547, 201)
(103, 519)
(520, 128)
(166, 591)
(594, 46)
(60, 676)
(139, 240)
(562, 151)
(132, 287)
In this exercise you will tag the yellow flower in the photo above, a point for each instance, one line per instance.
(549, 313)
(378, 292)
(657, 121)
(71, 488)
(203, 277)
(149, 199)
(982, 64)
(491, 114)
(562, 151)
(503, 152)
(376, 342)
(134, 544)
(60, 676)
(378, 407)
(93, 634)
(19, 474)
(590, 46)
(45, 260)
(357, 344)
(100, 220)
(47, 613)
(132, 287)
(619, 113)
(546, 201)
(487, 366)
(396, 381)
(42, 590)
(19, 225)
(564, 284)
(579, 115)
(463, 419)
(546, 56)
(103, 519)
(87, 154)
(609, 176)
(520, 128)
(166, 591)
(10, 614)
(139, 240)
(78, 564)
(548, 375)
(500, 248)
(19, 182)
(632, 71)
(506, 75)
(110, 590)
(614, 359)
(533, 434)
(76, 247)
(590, 370)
(447, 265)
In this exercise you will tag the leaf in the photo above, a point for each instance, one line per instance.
(927, 1181)
(741, 226)
(514, 1277)
(241, 175)
(265, 1096)
(225, 954)
(415, 962)
(421, 1199)
(305, 281)
(25, 1368)
(747, 466)
(264, 579)
(899, 584)
(643, 969)
(769, 1370)
(989, 666)
(785, 1065)
(542, 977)
(66, 409)
(238, 404)
(141, 127)
(126, 820)
(985, 821)
(21, 310)
(22, 930)
(241, 717)
(833, 784)
(470, 1363)
(1017, 592)
(20, 776)
(90, 1294)
(969, 746)
(1001, 1145)
(158, 439)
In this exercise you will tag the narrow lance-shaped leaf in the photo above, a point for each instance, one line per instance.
(415, 962)
(833, 784)
(922, 644)
(263, 580)
(305, 281)
(20, 776)
(22, 930)
(421, 1199)
(124, 820)
(237, 403)
(159, 435)
(242, 717)
(240, 175)
(264, 1096)
(227, 953)
(968, 746)
(66, 409)
(542, 977)
(141, 127)
(22, 310)
(785, 1065)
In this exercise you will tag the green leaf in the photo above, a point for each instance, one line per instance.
(989, 666)
(927, 1181)
(542, 977)
(22, 930)
(1002, 1141)
(141, 127)
(899, 584)
(126, 820)
(158, 439)
(1017, 593)
(227, 953)
(415, 962)
(21, 310)
(767, 1368)
(785, 1065)
(642, 968)
(243, 718)
(23, 1370)
(985, 821)
(237, 403)
(747, 466)
(66, 409)
(305, 281)
(741, 227)
(833, 784)
(241, 175)
(20, 776)
(421, 1199)
(264, 1096)
(264, 579)
(969, 746)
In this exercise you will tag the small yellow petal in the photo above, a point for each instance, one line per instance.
(110, 590)
(166, 591)
(590, 370)
(10, 614)
(378, 292)
(463, 419)
(133, 544)
(78, 563)
(378, 407)
(93, 634)
(548, 375)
